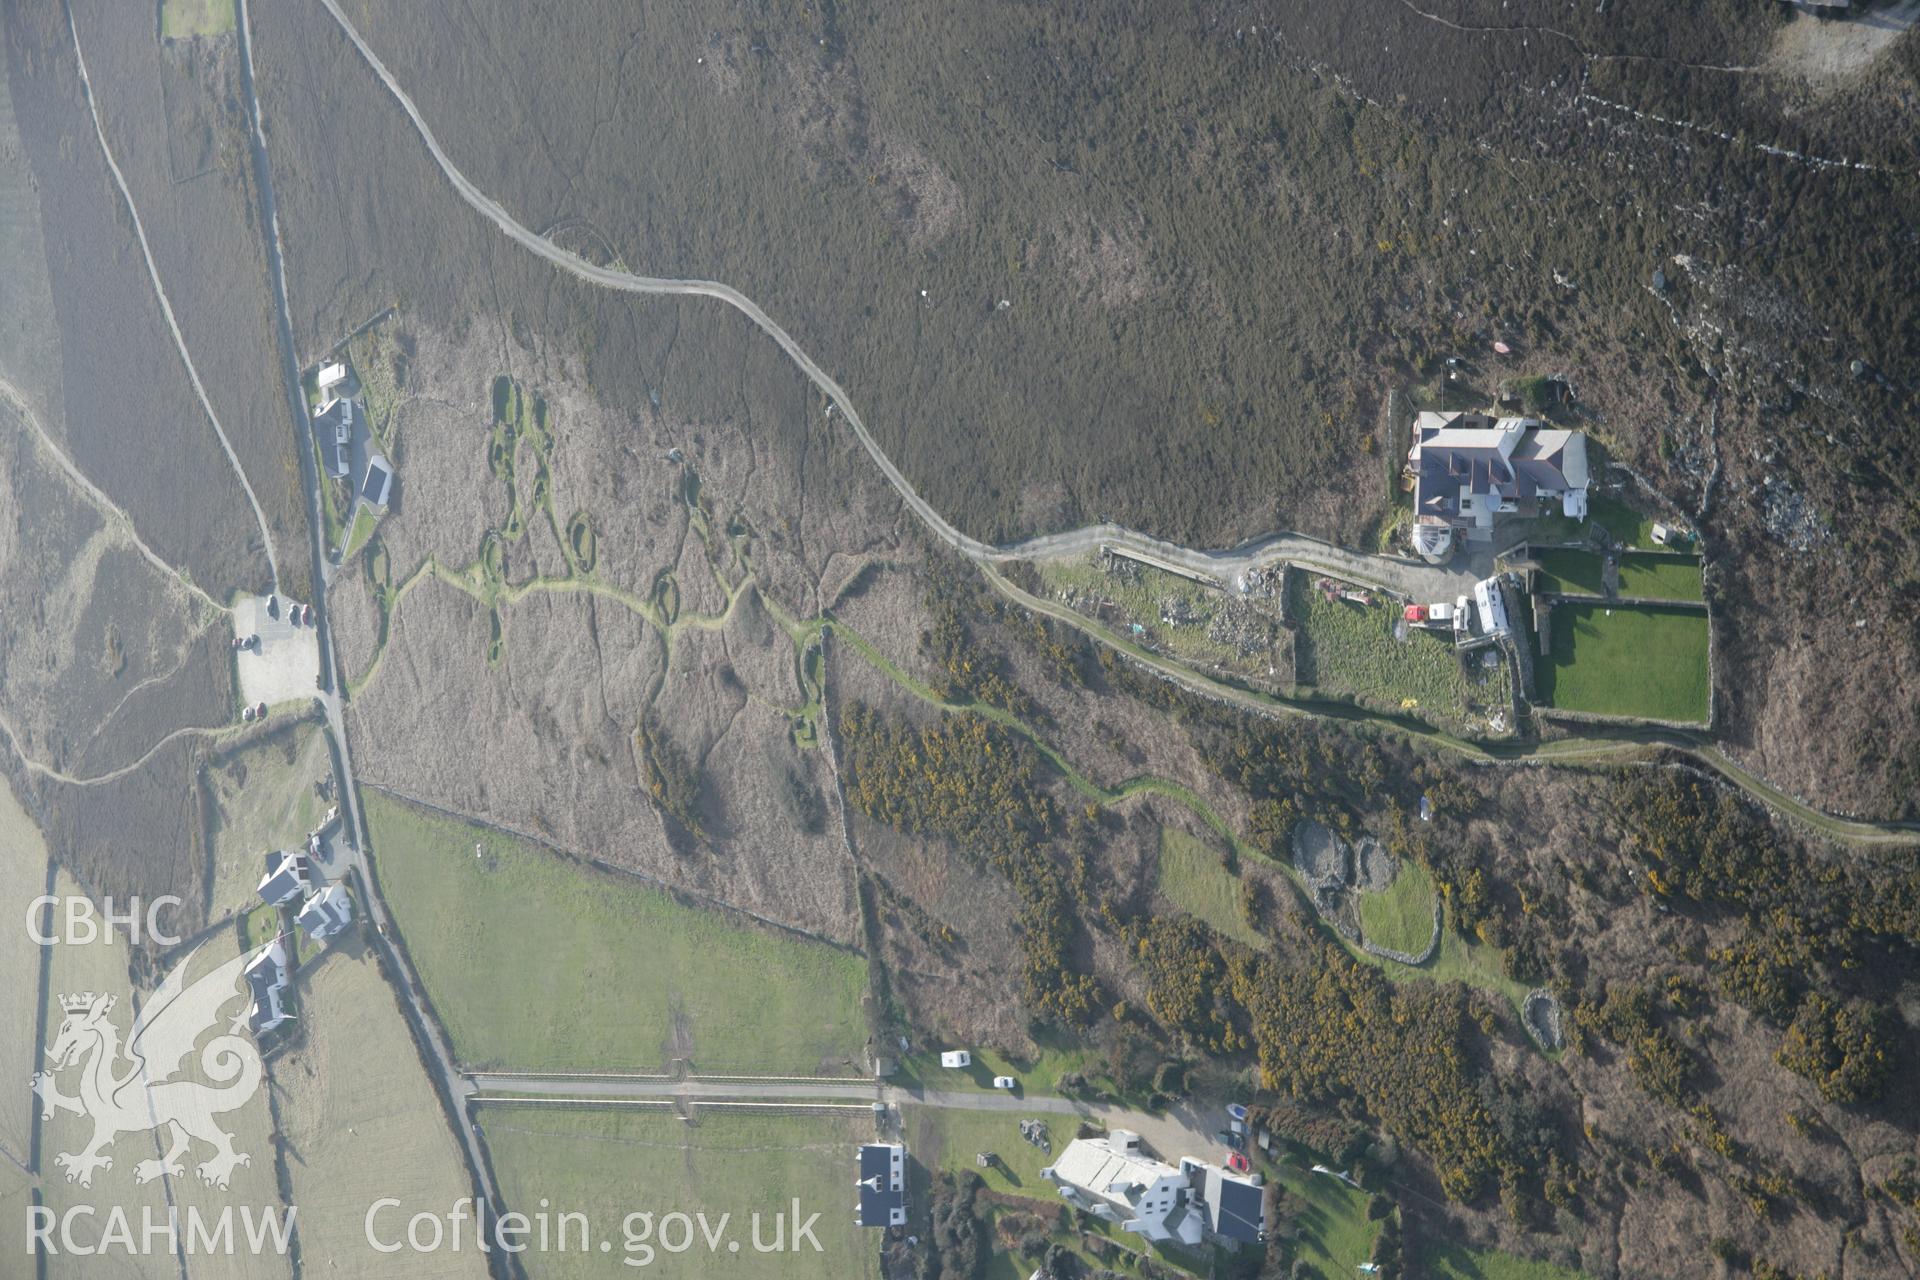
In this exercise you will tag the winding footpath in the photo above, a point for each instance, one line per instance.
(109, 511)
(166, 308)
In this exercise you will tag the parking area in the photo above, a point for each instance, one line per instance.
(283, 663)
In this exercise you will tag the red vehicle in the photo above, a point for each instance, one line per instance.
(1239, 1163)
(1415, 613)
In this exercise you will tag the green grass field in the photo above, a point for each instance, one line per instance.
(949, 1138)
(538, 963)
(1039, 1074)
(1400, 919)
(182, 18)
(1651, 577)
(1194, 880)
(609, 1164)
(1628, 527)
(1335, 1234)
(363, 525)
(1351, 649)
(330, 498)
(1648, 663)
(1458, 1262)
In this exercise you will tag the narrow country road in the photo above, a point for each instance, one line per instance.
(1179, 1131)
(435, 1052)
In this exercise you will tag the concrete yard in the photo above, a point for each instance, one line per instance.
(285, 665)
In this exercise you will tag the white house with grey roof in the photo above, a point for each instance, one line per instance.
(333, 433)
(266, 976)
(1113, 1179)
(288, 876)
(882, 1185)
(1470, 468)
(326, 913)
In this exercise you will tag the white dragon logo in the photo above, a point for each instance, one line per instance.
(143, 1096)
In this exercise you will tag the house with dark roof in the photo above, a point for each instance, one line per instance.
(266, 976)
(1470, 469)
(1235, 1207)
(326, 913)
(882, 1185)
(377, 484)
(288, 876)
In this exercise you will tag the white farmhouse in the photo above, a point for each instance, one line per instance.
(1469, 468)
(266, 976)
(1113, 1179)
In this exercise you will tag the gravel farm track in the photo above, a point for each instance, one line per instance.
(1391, 573)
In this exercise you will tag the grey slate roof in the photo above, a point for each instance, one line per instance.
(883, 1190)
(379, 480)
(326, 913)
(1236, 1209)
(332, 456)
(285, 878)
(266, 978)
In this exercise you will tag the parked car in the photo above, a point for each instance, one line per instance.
(307, 614)
(1415, 613)
(273, 606)
(1238, 1163)
(1005, 1082)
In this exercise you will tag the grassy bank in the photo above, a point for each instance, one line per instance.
(1401, 917)
(1195, 880)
